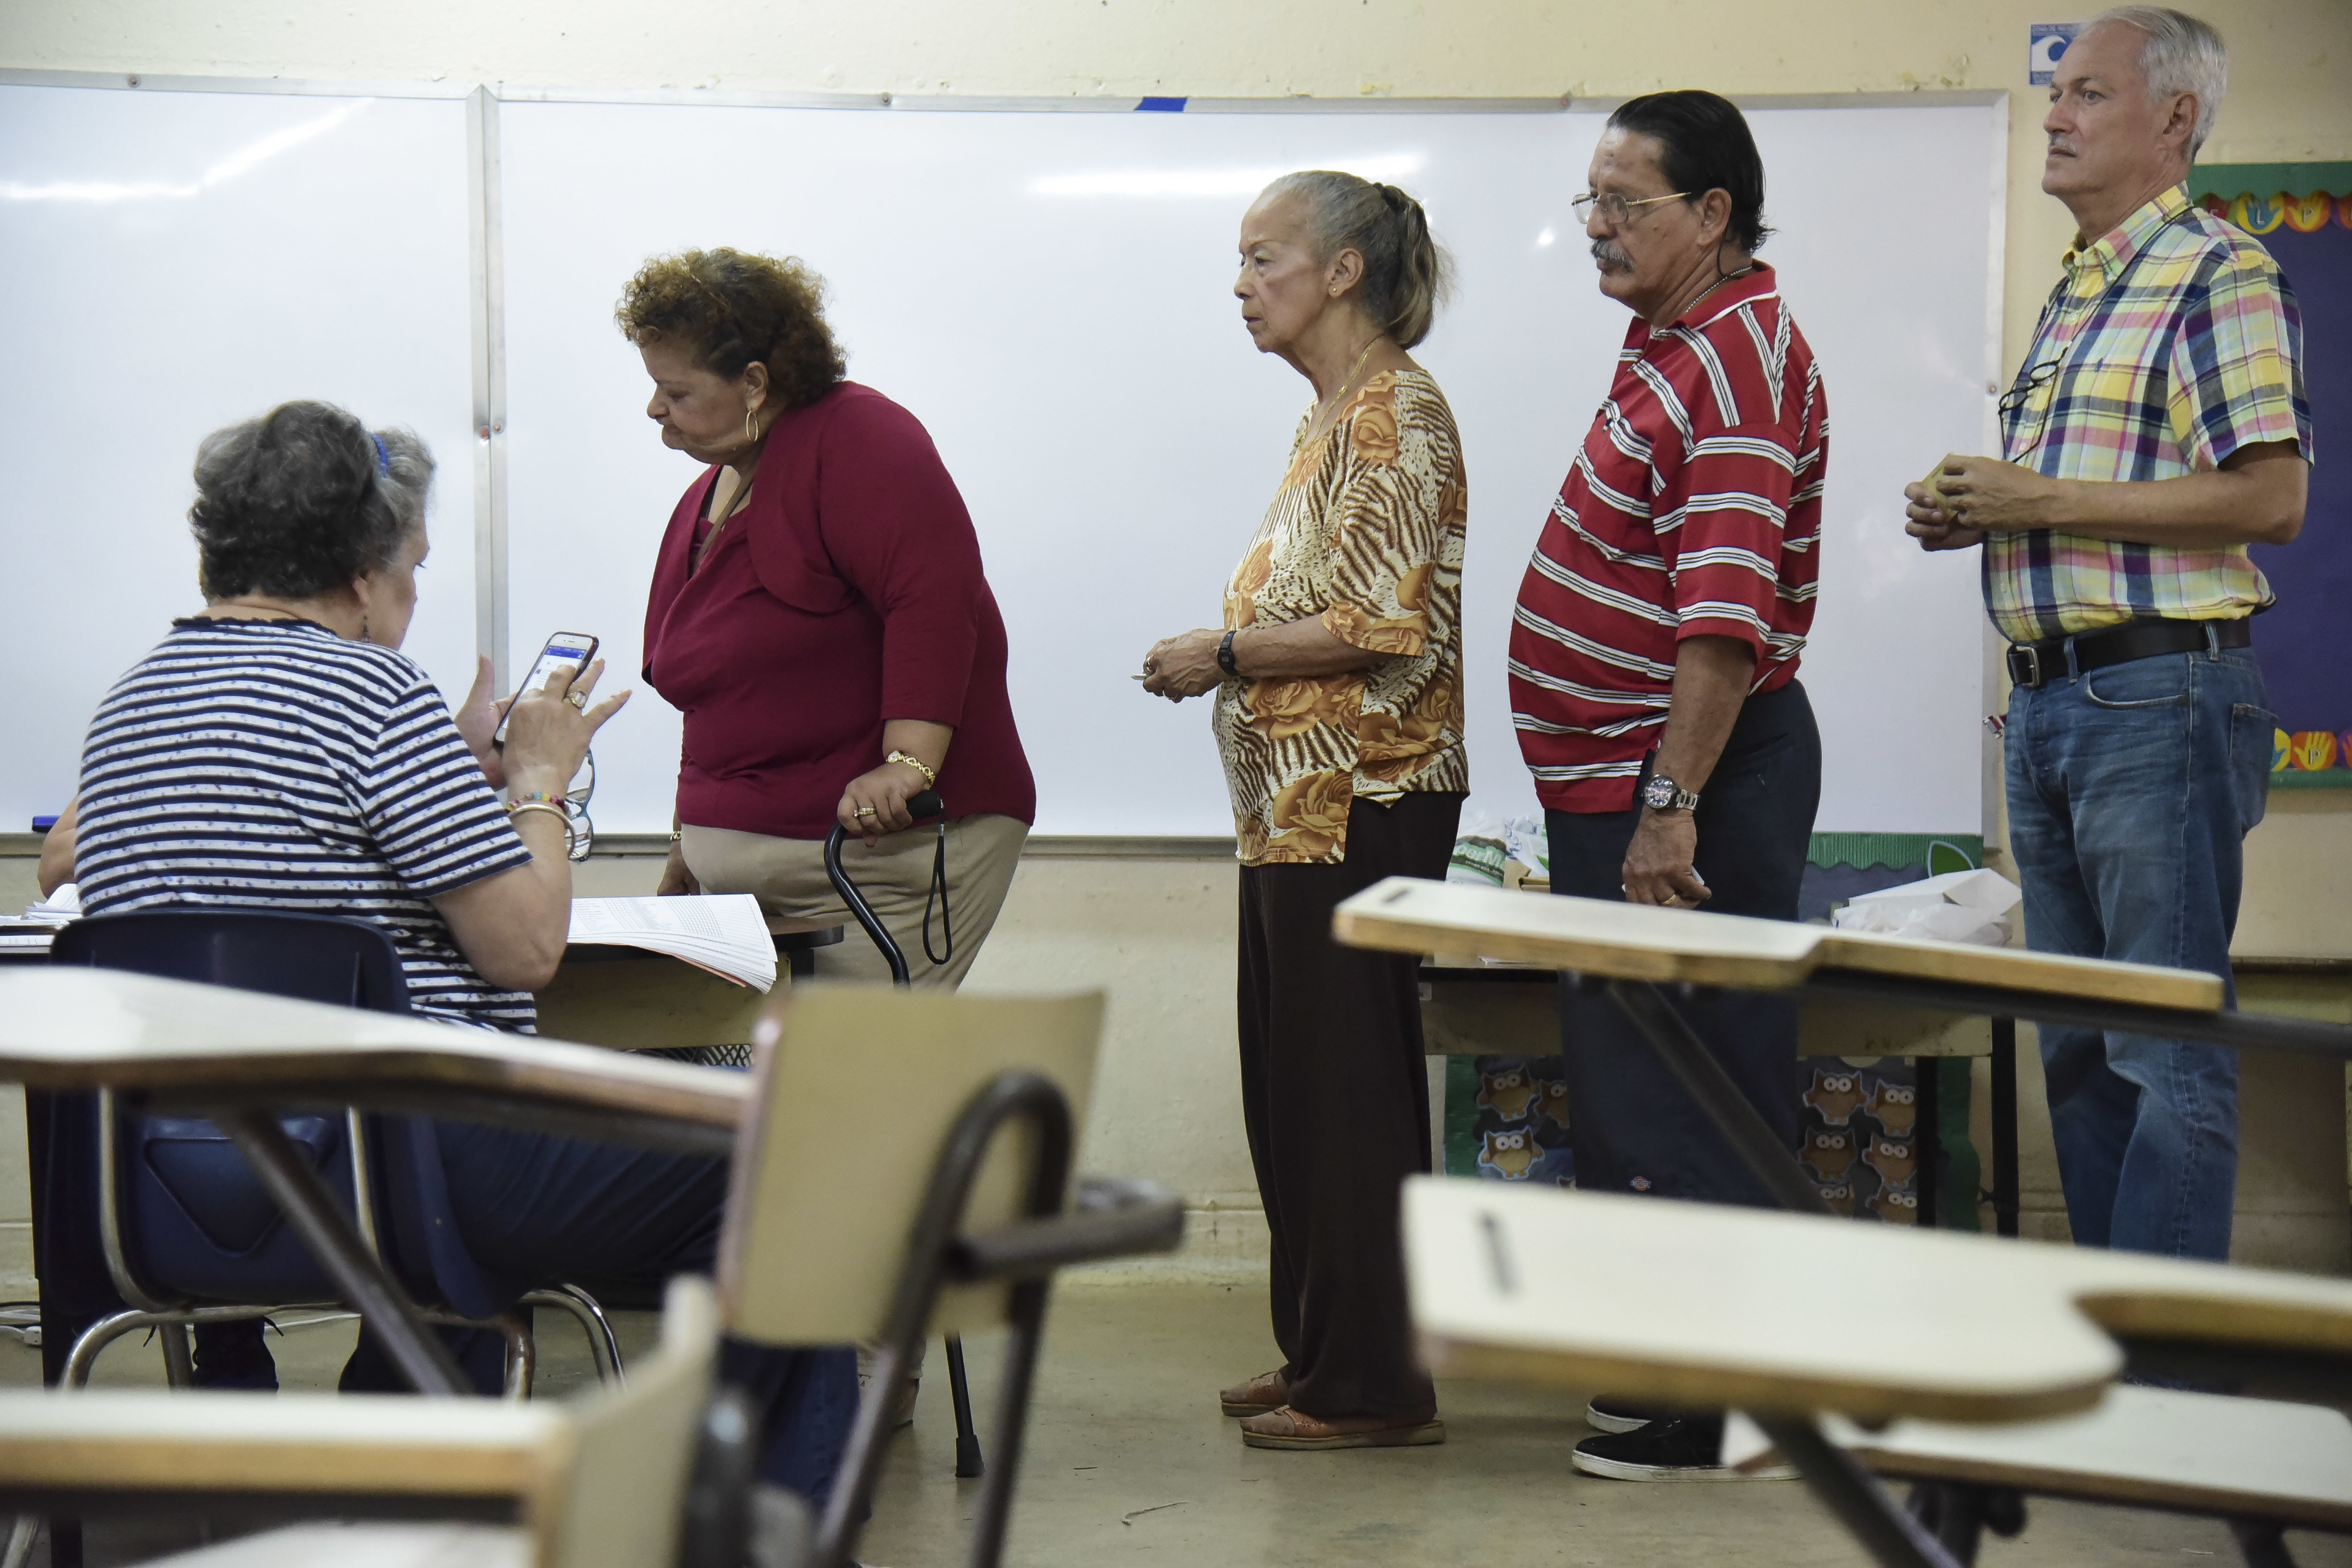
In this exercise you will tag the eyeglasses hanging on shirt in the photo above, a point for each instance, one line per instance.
(2032, 379)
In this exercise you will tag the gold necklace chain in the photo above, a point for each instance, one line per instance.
(1319, 428)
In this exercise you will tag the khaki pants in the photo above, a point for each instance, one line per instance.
(787, 875)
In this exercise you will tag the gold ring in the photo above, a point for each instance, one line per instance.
(576, 700)
(863, 811)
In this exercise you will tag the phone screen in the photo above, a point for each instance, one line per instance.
(564, 650)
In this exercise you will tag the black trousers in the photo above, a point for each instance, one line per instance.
(1335, 1091)
(1632, 1126)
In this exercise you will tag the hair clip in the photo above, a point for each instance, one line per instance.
(383, 458)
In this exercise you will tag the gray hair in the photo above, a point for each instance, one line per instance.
(2183, 54)
(1407, 274)
(304, 499)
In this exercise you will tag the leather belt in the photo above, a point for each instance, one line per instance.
(2033, 663)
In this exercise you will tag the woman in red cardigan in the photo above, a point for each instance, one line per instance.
(819, 614)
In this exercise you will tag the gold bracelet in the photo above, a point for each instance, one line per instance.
(517, 807)
(929, 777)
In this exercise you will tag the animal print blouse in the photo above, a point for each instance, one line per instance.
(1366, 535)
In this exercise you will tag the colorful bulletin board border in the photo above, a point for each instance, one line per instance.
(2303, 213)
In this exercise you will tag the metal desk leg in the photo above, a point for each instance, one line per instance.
(1704, 1079)
(419, 1353)
(2004, 1126)
(1927, 1133)
(1885, 1530)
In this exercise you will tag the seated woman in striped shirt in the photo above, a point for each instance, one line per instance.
(277, 752)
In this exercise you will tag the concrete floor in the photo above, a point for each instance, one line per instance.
(1127, 1462)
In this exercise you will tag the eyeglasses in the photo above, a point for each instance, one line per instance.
(2021, 390)
(1615, 210)
(575, 806)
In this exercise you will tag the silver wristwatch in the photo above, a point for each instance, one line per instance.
(1661, 793)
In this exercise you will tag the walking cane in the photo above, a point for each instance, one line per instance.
(926, 805)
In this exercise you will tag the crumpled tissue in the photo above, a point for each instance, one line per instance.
(1958, 906)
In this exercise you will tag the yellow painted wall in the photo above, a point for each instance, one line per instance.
(1168, 1110)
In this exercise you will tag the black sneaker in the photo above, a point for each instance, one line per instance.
(1680, 1448)
(1607, 1413)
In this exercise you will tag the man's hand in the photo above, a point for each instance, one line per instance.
(1184, 665)
(1932, 526)
(477, 721)
(1985, 495)
(1658, 868)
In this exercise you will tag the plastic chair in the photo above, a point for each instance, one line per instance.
(650, 1475)
(187, 1233)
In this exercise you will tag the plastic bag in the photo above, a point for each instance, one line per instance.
(1958, 906)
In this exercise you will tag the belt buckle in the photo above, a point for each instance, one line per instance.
(2025, 666)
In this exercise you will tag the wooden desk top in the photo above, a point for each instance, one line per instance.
(2158, 1447)
(1642, 942)
(1705, 1306)
(70, 1027)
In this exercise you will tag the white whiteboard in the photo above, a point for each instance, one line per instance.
(1050, 294)
(175, 262)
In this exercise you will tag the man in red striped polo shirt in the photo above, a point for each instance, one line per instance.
(1654, 658)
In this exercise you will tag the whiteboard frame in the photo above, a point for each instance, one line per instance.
(487, 291)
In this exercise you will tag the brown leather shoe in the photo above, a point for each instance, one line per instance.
(1266, 1391)
(1289, 1428)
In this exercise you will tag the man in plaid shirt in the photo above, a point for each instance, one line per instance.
(2156, 428)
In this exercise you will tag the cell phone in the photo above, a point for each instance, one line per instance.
(564, 648)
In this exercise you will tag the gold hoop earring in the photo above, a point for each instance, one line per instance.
(751, 426)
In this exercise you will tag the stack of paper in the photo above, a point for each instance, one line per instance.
(723, 933)
(31, 932)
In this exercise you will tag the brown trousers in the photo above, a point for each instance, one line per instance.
(1335, 1091)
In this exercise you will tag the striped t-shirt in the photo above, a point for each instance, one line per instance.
(273, 766)
(1694, 510)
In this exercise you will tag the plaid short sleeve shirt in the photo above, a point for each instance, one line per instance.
(2171, 342)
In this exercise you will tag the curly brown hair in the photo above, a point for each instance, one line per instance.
(729, 308)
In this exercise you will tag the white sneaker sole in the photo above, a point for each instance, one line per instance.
(1621, 1470)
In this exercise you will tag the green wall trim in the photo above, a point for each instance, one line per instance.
(2325, 778)
(1864, 850)
(2229, 180)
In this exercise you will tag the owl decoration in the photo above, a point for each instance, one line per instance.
(1895, 1163)
(1895, 1205)
(1836, 1095)
(1894, 1106)
(1831, 1154)
(1509, 1154)
(1839, 1195)
(1507, 1093)
(1552, 1102)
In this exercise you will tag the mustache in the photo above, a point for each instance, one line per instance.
(1607, 254)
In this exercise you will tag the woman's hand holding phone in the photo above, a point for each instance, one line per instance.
(548, 733)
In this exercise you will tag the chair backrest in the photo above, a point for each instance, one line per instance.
(312, 958)
(615, 1499)
(856, 1090)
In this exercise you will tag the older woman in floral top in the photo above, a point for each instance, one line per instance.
(1337, 675)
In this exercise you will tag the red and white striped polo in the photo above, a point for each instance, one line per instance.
(1692, 510)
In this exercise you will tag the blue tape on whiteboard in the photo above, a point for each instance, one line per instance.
(1160, 106)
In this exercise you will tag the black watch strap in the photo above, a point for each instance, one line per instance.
(1225, 654)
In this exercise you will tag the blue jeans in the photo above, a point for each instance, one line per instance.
(2131, 790)
(540, 1210)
